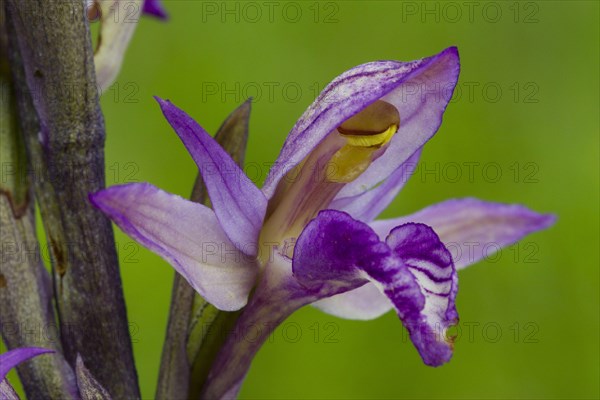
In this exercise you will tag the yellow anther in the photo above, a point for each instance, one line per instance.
(376, 140)
(373, 120)
(339, 158)
(355, 157)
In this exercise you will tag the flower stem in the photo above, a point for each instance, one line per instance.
(276, 297)
(25, 285)
(53, 69)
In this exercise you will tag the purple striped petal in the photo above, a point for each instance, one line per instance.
(368, 205)
(473, 229)
(412, 268)
(367, 302)
(430, 263)
(336, 247)
(185, 234)
(420, 90)
(14, 357)
(470, 228)
(239, 205)
(154, 8)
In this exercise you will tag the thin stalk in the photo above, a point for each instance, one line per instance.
(53, 69)
(26, 312)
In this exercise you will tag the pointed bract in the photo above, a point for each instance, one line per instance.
(89, 387)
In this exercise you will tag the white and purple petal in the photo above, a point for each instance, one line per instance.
(473, 229)
(239, 205)
(336, 253)
(420, 90)
(185, 234)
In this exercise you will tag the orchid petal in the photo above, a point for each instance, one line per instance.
(473, 228)
(412, 268)
(118, 20)
(239, 205)
(400, 83)
(185, 234)
(14, 357)
(154, 8)
(368, 205)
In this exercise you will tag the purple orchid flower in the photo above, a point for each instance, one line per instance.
(309, 235)
(11, 359)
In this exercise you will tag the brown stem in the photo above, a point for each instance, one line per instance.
(26, 311)
(53, 70)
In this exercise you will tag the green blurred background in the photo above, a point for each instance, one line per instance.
(525, 117)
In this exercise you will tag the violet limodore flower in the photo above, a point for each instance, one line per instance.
(11, 359)
(309, 235)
